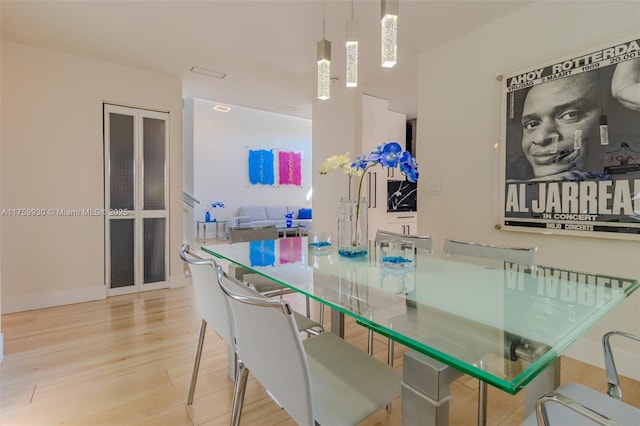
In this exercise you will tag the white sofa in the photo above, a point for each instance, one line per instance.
(252, 216)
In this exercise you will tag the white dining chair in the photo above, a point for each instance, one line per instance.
(573, 404)
(261, 284)
(328, 381)
(265, 286)
(521, 255)
(243, 235)
(212, 306)
(421, 243)
(526, 256)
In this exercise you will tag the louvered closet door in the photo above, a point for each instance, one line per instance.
(136, 188)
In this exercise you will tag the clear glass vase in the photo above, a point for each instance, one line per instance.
(353, 231)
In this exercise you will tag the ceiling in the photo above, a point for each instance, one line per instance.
(266, 48)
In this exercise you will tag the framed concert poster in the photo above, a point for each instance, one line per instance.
(571, 148)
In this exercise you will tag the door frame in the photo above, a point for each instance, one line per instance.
(138, 214)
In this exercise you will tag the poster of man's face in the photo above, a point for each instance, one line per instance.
(575, 120)
(557, 127)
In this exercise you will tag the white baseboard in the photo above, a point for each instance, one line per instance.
(28, 302)
(591, 353)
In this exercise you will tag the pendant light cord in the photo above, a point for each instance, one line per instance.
(323, 18)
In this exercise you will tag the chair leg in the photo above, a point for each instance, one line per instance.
(196, 362)
(321, 317)
(482, 403)
(370, 342)
(238, 394)
(308, 306)
(390, 352)
(390, 347)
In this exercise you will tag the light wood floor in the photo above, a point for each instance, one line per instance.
(126, 361)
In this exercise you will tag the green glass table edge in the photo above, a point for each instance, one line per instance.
(527, 375)
(444, 358)
(466, 368)
(513, 386)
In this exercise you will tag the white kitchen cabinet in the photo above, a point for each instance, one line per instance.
(403, 222)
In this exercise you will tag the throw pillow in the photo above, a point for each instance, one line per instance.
(304, 214)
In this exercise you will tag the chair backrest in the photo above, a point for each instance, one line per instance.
(268, 344)
(420, 242)
(521, 255)
(574, 403)
(241, 235)
(613, 385)
(210, 301)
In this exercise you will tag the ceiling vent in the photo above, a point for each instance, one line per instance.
(287, 108)
(210, 73)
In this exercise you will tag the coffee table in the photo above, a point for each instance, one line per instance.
(292, 231)
(204, 228)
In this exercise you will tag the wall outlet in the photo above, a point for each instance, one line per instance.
(433, 187)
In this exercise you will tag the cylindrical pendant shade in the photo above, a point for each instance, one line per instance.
(324, 69)
(389, 33)
(352, 53)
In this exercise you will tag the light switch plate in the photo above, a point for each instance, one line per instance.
(433, 187)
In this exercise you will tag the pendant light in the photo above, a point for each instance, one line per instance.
(324, 64)
(352, 51)
(389, 22)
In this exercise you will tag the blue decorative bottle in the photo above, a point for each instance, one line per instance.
(207, 217)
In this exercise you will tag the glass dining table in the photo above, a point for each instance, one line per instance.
(503, 323)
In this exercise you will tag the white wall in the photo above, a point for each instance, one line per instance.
(1, 206)
(221, 143)
(52, 157)
(188, 216)
(337, 129)
(459, 121)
